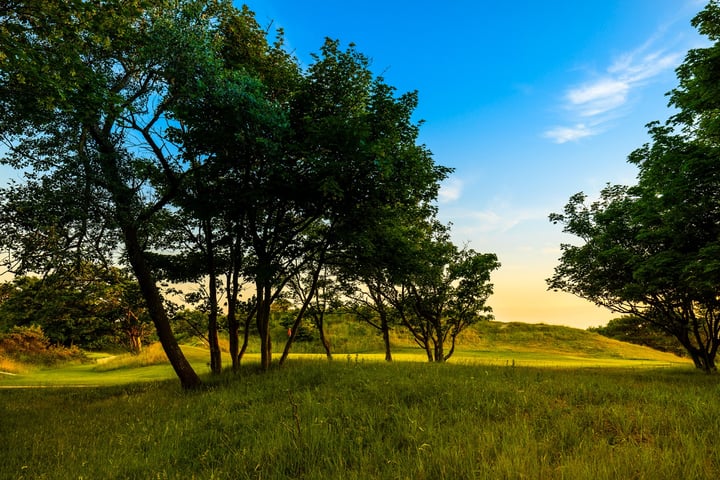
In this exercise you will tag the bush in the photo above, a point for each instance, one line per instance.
(30, 345)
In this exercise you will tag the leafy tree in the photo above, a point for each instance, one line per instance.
(446, 293)
(150, 114)
(122, 303)
(89, 307)
(64, 309)
(651, 250)
(232, 127)
(380, 260)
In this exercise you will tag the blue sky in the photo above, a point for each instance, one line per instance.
(529, 101)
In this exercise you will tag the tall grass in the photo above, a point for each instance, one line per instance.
(152, 354)
(359, 420)
(9, 366)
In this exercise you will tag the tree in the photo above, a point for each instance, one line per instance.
(90, 307)
(88, 89)
(151, 112)
(651, 250)
(380, 259)
(232, 126)
(446, 293)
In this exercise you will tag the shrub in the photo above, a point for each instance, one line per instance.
(30, 345)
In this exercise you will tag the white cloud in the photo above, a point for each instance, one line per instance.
(450, 190)
(569, 134)
(599, 97)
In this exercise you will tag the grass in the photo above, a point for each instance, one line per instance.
(358, 419)
(516, 401)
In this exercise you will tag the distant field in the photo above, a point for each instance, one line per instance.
(493, 343)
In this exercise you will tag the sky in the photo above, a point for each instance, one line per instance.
(530, 101)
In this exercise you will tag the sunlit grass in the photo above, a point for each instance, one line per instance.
(367, 419)
(150, 355)
(491, 343)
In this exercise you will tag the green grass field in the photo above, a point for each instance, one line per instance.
(516, 402)
(363, 420)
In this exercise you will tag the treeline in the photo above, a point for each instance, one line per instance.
(174, 139)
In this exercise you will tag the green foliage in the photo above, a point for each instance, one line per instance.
(435, 421)
(91, 307)
(176, 133)
(444, 294)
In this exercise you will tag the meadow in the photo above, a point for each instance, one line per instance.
(616, 411)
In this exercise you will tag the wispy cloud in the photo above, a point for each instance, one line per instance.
(569, 134)
(592, 104)
(450, 190)
(598, 97)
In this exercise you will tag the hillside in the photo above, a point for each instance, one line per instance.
(553, 340)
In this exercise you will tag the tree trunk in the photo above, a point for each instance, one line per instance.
(188, 378)
(135, 340)
(213, 341)
(296, 325)
(233, 324)
(124, 198)
(293, 334)
(438, 356)
(264, 301)
(385, 328)
(323, 338)
(234, 339)
(246, 333)
(301, 313)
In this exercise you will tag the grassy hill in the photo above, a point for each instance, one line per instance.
(551, 345)
(523, 337)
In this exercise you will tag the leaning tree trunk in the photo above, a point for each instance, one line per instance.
(124, 198)
(188, 378)
(246, 334)
(296, 325)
